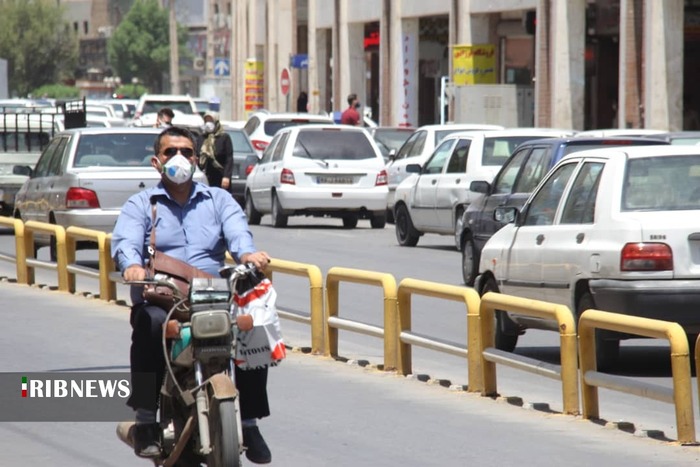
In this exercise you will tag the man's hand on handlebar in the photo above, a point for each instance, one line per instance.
(134, 272)
(260, 259)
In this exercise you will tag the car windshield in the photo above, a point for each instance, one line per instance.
(390, 138)
(333, 144)
(154, 106)
(662, 184)
(273, 126)
(440, 134)
(240, 142)
(114, 150)
(498, 149)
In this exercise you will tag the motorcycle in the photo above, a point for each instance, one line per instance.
(199, 417)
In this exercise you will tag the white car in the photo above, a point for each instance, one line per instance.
(84, 177)
(262, 126)
(433, 200)
(321, 171)
(613, 229)
(416, 150)
(183, 106)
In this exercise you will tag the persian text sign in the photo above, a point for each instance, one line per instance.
(473, 64)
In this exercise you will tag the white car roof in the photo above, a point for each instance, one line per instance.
(634, 152)
(513, 132)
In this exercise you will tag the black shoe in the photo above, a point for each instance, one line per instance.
(257, 450)
(146, 440)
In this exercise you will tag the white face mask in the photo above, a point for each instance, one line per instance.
(209, 127)
(178, 169)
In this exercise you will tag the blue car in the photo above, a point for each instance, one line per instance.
(512, 186)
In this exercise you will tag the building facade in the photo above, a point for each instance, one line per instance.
(577, 64)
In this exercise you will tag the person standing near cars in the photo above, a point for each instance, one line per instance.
(216, 153)
(351, 116)
(197, 224)
(164, 118)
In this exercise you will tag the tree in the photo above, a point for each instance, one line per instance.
(37, 44)
(139, 47)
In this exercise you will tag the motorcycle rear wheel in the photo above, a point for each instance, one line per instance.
(223, 431)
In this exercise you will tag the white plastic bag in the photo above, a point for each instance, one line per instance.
(263, 345)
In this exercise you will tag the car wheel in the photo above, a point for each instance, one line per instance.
(390, 216)
(377, 221)
(406, 234)
(607, 348)
(279, 219)
(470, 262)
(349, 221)
(506, 341)
(251, 213)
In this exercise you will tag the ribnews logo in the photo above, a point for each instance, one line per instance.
(75, 388)
(64, 396)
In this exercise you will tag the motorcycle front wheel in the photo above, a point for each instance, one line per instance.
(223, 432)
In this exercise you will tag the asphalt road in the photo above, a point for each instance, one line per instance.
(323, 242)
(324, 412)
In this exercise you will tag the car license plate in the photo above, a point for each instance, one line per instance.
(335, 179)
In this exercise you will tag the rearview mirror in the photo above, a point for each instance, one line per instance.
(413, 168)
(22, 170)
(505, 214)
(480, 186)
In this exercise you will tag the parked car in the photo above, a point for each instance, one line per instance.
(389, 139)
(320, 171)
(613, 229)
(521, 173)
(262, 126)
(434, 199)
(416, 150)
(84, 177)
(244, 160)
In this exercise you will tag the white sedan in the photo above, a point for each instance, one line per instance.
(614, 229)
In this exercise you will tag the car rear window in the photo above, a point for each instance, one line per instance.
(392, 139)
(333, 144)
(273, 126)
(114, 150)
(662, 184)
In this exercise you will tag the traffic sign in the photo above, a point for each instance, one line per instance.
(285, 81)
(222, 67)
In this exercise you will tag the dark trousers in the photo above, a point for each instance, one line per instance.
(147, 357)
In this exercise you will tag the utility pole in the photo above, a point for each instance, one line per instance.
(174, 55)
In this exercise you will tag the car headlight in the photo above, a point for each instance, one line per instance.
(210, 324)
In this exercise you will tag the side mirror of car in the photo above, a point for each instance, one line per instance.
(413, 168)
(505, 214)
(392, 154)
(480, 186)
(22, 170)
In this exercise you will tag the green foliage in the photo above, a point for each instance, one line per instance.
(56, 91)
(139, 47)
(38, 45)
(131, 91)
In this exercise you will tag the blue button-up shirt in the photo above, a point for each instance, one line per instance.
(198, 233)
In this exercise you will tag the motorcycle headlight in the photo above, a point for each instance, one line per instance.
(210, 324)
